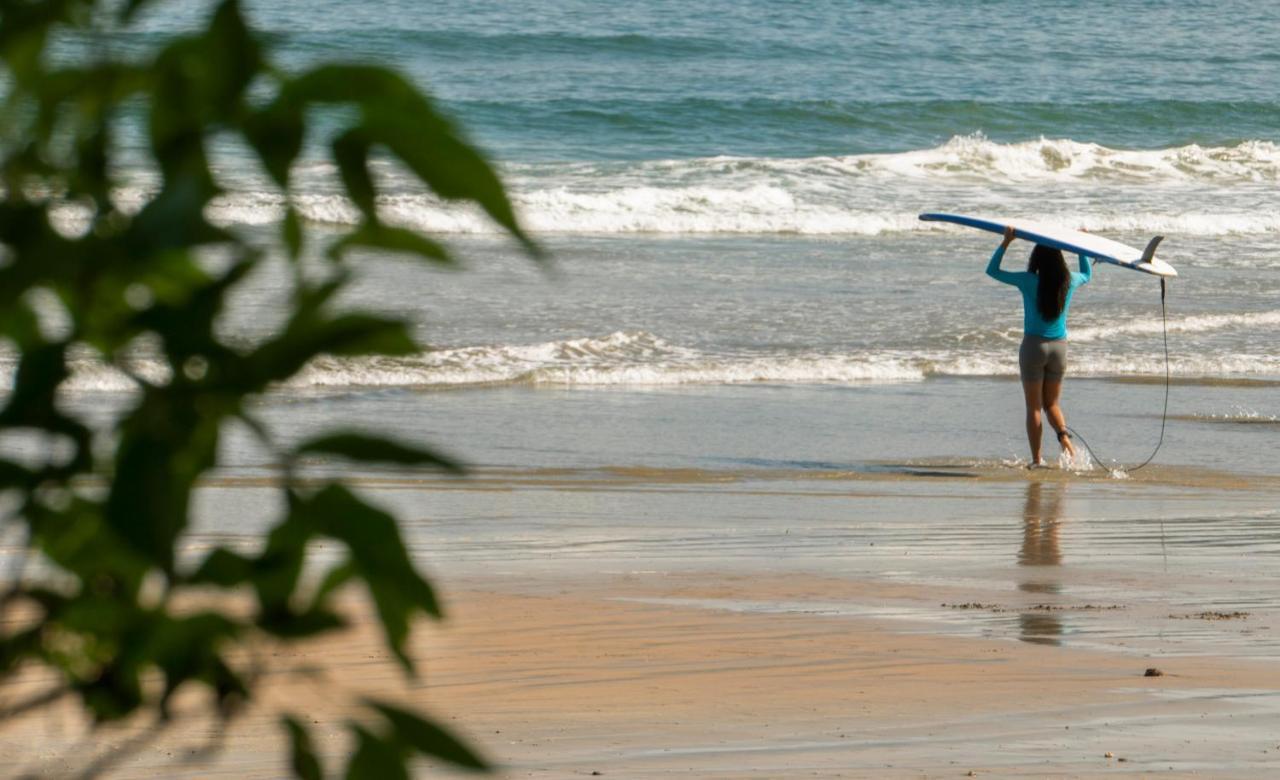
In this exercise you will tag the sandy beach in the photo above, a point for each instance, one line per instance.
(641, 663)
(585, 681)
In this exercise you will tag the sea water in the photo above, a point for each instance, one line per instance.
(739, 283)
(730, 190)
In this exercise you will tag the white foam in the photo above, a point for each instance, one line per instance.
(96, 376)
(1082, 461)
(1192, 324)
(619, 359)
(975, 156)
(1188, 190)
(707, 209)
(638, 358)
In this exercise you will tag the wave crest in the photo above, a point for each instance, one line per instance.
(1199, 323)
(642, 359)
(1188, 190)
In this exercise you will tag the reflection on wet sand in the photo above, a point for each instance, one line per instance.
(1041, 515)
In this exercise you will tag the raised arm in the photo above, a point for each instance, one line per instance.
(1086, 268)
(993, 267)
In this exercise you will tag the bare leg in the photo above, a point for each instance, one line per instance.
(1032, 393)
(1058, 421)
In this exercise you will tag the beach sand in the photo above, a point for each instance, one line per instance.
(575, 682)
(1001, 659)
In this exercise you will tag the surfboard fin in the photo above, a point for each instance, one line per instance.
(1150, 252)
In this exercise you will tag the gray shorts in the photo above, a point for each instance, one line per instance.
(1041, 359)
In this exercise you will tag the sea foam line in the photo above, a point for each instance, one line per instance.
(1189, 190)
(1198, 323)
(638, 359)
(705, 210)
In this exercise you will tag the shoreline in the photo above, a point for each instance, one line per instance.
(761, 472)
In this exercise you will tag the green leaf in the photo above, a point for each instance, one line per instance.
(167, 443)
(363, 334)
(302, 756)
(99, 615)
(398, 116)
(351, 153)
(309, 336)
(33, 402)
(276, 133)
(374, 448)
(188, 648)
(13, 475)
(379, 556)
(224, 568)
(375, 759)
(17, 321)
(428, 738)
(113, 694)
(298, 625)
(392, 239)
(174, 218)
(276, 571)
(291, 232)
(186, 314)
(23, 27)
(17, 646)
(79, 541)
(337, 577)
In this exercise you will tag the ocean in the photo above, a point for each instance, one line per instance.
(739, 284)
(730, 192)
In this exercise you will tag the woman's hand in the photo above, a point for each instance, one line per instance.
(1009, 235)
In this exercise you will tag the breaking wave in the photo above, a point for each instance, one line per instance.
(1187, 190)
(641, 359)
(1200, 323)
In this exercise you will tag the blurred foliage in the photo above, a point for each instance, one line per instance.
(102, 513)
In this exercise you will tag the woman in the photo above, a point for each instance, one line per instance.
(1046, 288)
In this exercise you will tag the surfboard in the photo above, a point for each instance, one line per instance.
(1104, 249)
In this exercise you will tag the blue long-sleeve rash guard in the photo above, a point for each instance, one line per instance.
(1032, 322)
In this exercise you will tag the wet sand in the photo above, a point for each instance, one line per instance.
(574, 678)
(651, 689)
(901, 619)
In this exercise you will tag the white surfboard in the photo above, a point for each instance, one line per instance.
(1104, 249)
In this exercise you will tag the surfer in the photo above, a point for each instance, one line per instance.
(1046, 288)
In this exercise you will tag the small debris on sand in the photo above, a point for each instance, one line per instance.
(1153, 672)
(1035, 607)
(1081, 607)
(1212, 615)
(1108, 754)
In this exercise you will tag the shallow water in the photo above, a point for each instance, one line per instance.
(1141, 567)
(829, 482)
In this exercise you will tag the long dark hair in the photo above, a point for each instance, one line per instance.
(1054, 281)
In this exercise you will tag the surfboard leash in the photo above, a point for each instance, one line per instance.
(1164, 415)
